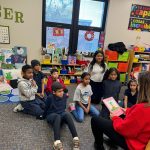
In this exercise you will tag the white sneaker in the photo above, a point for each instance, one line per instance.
(76, 143)
(18, 108)
(58, 145)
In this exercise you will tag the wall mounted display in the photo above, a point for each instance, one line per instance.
(139, 18)
(4, 34)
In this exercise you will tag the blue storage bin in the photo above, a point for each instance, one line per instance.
(63, 71)
(64, 62)
(73, 80)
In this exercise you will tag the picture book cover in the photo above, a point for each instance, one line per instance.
(7, 53)
(113, 106)
(55, 59)
(72, 60)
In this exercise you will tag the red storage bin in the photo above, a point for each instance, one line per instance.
(122, 67)
(82, 62)
(111, 55)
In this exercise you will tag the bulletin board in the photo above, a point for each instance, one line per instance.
(4, 35)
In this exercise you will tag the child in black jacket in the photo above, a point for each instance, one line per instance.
(56, 114)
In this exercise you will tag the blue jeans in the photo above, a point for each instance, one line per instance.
(78, 113)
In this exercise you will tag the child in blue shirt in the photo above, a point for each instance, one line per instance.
(38, 76)
(111, 88)
(55, 113)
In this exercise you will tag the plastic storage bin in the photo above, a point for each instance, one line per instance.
(122, 77)
(111, 55)
(64, 62)
(66, 81)
(63, 71)
(112, 65)
(124, 56)
(122, 67)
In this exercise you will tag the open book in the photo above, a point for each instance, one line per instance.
(113, 106)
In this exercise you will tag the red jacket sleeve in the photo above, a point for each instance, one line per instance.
(131, 126)
(62, 83)
(49, 85)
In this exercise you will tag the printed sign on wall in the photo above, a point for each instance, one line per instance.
(139, 18)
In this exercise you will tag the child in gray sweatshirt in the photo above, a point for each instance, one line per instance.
(27, 89)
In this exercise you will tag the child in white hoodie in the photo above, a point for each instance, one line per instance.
(27, 90)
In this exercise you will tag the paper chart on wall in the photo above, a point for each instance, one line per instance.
(4, 34)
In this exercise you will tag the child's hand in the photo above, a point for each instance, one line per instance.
(67, 94)
(86, 111)
(42, 95)
(112, 115)
(33, 83)
(123, 109)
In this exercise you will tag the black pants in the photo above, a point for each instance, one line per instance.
(97, 92)
(102, 126)
(34, 107)
(105, 113)
(57, 119)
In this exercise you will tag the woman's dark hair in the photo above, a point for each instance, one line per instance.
(108, 72)
(94, 61)
(144, 87)
(132, 80)
(26, 67)
(84, 74)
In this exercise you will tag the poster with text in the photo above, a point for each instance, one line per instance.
(139, 18)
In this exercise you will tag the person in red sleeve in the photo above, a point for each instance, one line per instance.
(53, 78)
(132, 132)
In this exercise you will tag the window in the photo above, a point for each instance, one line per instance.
(59, 11)
(73, 24)
(91, 13)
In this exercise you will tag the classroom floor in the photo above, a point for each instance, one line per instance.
(23, 132)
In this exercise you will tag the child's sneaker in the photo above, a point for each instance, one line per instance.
(76, 143)
(71, 107)
(18, 108)
(58, 145)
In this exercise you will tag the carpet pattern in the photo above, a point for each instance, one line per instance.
(23, 132)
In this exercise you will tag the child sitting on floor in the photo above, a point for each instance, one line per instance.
(27, 89)
(54, 77)
(131, 94)
(55, 114)
(38, 76)
(82, 97)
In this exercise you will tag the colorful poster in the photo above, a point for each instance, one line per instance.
(139, 24)
(58, 32)
(139, 18)
(139, 11)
